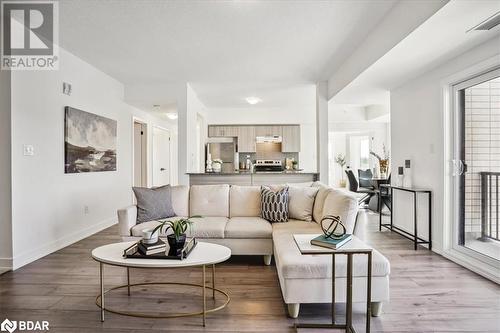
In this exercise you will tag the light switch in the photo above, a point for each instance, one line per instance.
(28, 150)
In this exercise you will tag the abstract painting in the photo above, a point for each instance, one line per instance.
(90, 142)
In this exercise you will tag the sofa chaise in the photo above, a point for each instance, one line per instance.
(231, 217)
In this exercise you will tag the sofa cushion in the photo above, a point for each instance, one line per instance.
(296, 227)
(209, 200)
(248, 227)
(205, 227)
(153, 203)
(208, 227)
(274, 204)
(293, 265)
(180, 200)
(319, 202)
(301, 202)
(341, 203)
(244, 201)
(136, 230)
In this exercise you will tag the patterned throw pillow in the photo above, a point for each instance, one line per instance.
(274, 205)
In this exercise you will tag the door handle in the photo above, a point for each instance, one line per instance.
(162, 169)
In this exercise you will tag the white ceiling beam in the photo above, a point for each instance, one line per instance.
(401, 20)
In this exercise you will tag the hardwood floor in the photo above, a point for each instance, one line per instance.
(428, 294)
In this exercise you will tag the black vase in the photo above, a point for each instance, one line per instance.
(176, 244)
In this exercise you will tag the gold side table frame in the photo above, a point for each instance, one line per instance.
(348, 327)
(100, 299)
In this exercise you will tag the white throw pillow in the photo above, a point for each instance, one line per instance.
(301, 202)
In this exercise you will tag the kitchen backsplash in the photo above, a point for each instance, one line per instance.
(276, 156)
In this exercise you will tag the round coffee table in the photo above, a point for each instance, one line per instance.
(203, 254)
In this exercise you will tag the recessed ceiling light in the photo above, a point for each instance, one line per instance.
(253, 100)
(172, 115)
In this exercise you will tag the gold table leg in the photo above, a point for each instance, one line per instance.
(213, 281)
(101, 275)
(128, 281)
(204, 298)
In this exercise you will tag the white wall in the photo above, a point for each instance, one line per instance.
(417, 128)
(197, 113)
(48, 205)
(339, 139)
(5, 172)
(304, 115)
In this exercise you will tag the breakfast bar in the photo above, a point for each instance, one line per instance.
(255, 178)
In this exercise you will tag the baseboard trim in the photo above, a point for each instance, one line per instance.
(472, 264)
(46, 249)
(5, 265)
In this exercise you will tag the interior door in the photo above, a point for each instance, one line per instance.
(161, 156)
(140, 154)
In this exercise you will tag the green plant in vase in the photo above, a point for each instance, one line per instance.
(177, 239)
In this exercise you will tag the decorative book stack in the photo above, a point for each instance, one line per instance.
(332, 243)
(148, 249)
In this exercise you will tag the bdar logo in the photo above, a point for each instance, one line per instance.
(8, 326)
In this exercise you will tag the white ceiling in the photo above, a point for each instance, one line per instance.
(441, 38)
(272, 94)
(218, 46)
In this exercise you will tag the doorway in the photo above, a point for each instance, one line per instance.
(161, 156)
(140, 154)
(477, 165)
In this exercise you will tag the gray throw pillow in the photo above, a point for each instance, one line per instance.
(274, 205)
(153, 203)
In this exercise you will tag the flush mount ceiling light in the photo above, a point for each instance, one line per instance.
(253, 100)
(172, 115)
(156, 107)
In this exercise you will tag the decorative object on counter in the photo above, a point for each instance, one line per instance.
(340, 160)
(177, 239)
(383, 162)
(295, 164)
(236, 161)
(274, 204)
(209, 160)
(288, 163)
(407, 182)
(217, 165)
(248, 163)
(401, 176)
(332, 226)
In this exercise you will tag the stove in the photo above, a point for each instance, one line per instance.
(268, 165)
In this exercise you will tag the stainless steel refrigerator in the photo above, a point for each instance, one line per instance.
(223, 149)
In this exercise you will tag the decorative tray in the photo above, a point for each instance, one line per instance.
(134, 253)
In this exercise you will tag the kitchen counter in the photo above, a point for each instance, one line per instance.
(248, 178)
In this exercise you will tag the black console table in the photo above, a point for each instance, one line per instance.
(411, 236)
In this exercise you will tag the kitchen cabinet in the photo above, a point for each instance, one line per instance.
(291, 139)
(246, 139)
(268, 130)
(222, 131)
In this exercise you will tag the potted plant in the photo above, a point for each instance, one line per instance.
(217, 165)
(177, 239)
(340, 160)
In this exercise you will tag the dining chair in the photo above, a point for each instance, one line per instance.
(365, 178)
(354, 187)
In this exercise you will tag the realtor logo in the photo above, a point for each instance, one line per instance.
(29, 35)
(8, 326)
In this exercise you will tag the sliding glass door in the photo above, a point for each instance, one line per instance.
(477, 165)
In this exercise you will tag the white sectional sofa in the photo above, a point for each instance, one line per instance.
(231, 217)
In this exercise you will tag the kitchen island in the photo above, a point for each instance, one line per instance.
(256, 178)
